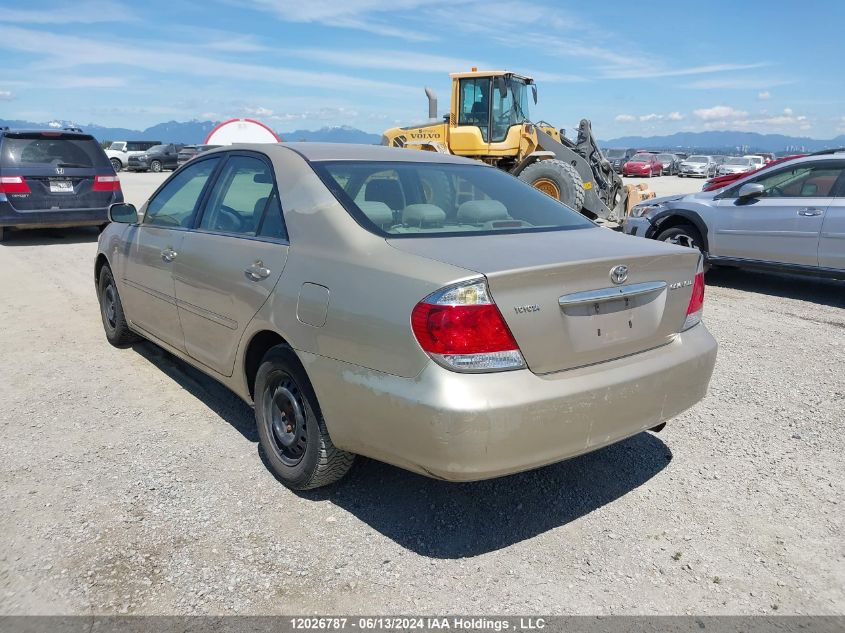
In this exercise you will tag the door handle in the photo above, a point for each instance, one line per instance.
(168, 254)
(258, 271)
(809, 212)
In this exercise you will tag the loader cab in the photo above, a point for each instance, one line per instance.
(491, 108)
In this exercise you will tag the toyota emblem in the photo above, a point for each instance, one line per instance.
(619, 274)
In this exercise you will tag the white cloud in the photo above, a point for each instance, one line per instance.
(719, 113)
(90, 12)
(385, 59)
(651, 73)
(624, 118)
(258, 111)
(741, 83)
(787, 111)
(675, 116)
(764, 96)
(6, 95)
(651, 117)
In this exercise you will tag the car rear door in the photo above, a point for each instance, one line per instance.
(832, 238)
(154, 245)
(784, 224)
(230, 262)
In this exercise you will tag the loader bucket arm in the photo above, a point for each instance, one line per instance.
(604, 195)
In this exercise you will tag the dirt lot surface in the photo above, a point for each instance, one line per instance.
(130, 482)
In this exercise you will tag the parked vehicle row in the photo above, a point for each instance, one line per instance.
(156, 159)
(672, 163)
(119, 152)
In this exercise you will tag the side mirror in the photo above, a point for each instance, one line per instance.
(123, 212)
(750, 190)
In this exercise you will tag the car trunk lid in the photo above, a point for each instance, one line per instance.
(557, 296)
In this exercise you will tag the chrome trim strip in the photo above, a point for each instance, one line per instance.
(768, 233)
(609, 294)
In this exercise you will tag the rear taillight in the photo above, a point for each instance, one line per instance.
(13, 184)
(106, 183)
(461, 328)
(696, 301)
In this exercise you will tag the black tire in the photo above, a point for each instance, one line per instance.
(111, 311)
(116, 165)
(156, 166)
(291, 428)
(2, 233)
(563, 176)
(682, 235)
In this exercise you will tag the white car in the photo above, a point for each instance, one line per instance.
(756, 160)
(120, 151)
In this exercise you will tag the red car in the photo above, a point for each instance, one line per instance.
(720, 181)
(643, 164)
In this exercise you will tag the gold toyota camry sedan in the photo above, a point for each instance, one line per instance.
(417, 308)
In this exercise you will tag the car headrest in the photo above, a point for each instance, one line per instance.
(378, 212)
(423, 215)
(263, 177)
(480, 211)
(386, 190)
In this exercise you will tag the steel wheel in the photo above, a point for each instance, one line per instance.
(108, 303)
(284, 408)
(548, 187)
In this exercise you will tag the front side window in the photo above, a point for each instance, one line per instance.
(475, 104)
(239, 198)
(801, 181)
(433, 199)
(175, 204)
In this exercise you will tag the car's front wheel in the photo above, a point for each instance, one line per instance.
(156, 166)
(111, 310)
(291, 428)
(682, 235)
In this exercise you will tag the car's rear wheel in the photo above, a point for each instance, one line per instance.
(111, 310)
(291, 428)
(116, 165)
(155, 166)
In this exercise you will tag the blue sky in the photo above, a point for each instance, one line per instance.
(633, 67)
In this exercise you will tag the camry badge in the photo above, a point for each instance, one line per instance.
(619, 274)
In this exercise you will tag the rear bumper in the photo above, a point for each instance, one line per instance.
(51, 218)
(464, 427)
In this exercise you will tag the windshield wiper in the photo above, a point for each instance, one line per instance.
(71, 165)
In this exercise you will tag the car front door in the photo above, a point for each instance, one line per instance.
(153, 247)
(832, 238)
(782, 225)
(230, 262)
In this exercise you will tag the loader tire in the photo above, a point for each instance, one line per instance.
(557, 179)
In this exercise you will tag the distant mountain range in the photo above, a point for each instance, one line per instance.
(197, 131)
(737, 141)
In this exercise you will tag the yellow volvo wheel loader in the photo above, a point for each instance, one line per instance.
(488, 120)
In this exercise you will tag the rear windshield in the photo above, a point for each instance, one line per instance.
(697, 159)
(400, 199)
(615, 153)
(738, 161)
(37, 150)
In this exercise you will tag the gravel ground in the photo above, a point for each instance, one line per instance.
(131, 483)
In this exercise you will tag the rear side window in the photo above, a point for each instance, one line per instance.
(807, 180)
(408, 199)
(35, 150)
(240, 195)
(174, 205)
